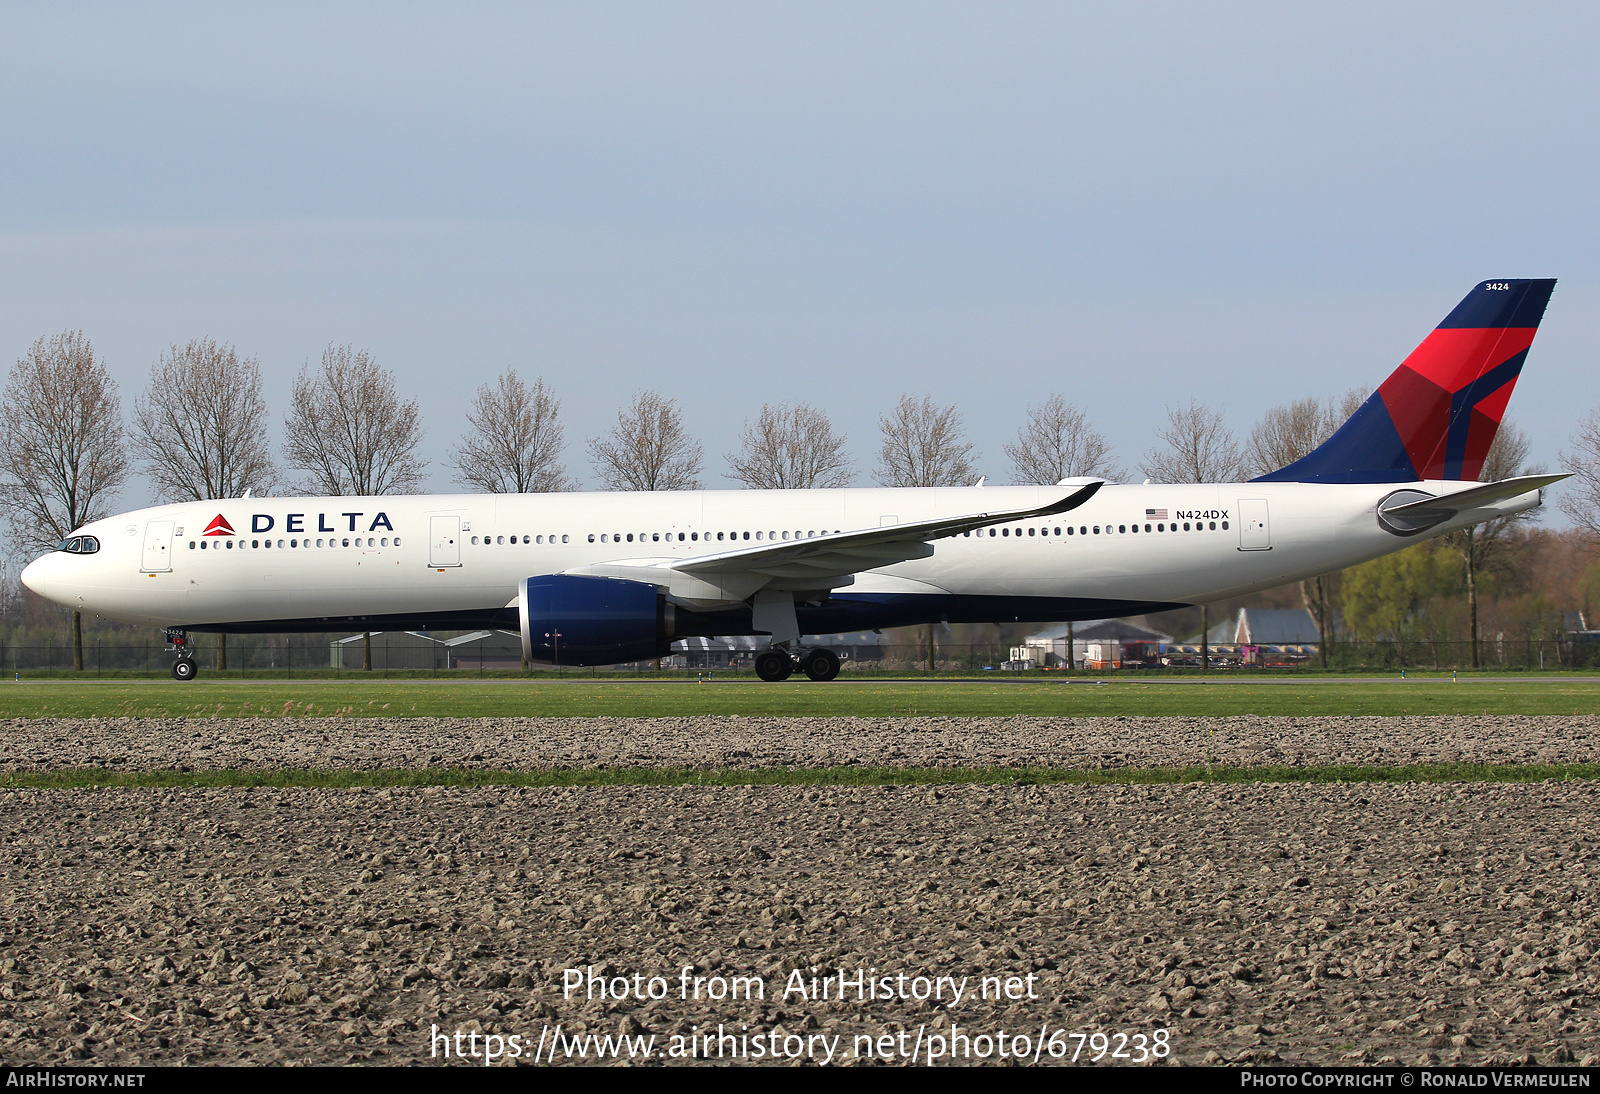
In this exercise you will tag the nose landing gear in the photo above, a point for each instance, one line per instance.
(184, 668)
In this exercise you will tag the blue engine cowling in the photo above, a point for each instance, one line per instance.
(575, 620)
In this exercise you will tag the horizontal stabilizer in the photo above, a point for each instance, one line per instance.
(1478, 496)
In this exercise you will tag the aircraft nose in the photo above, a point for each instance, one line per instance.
(36, 575)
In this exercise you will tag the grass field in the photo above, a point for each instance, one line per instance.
(982, 698)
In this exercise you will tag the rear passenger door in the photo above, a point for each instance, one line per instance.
(1255, 528)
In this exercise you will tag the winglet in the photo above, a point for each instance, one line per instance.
(1072, 500)
(982, 520)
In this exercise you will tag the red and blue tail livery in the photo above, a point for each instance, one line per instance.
(1436, 415)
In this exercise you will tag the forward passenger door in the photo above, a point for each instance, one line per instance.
(157, 547)
(444, 541)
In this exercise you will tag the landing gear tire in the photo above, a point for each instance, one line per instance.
(774, 665)
(184, 668)
(821, 665)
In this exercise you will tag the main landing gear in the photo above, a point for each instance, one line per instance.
(184, 668)
(774, 665)
(772, 612)
(779, 664)
(820, 664)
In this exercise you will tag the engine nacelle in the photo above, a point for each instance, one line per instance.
(576, 620)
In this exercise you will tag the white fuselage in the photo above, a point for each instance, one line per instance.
(293, 560)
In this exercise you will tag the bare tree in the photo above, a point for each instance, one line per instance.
(1199, 447)
(62, 447)
(1058, 443)
(349, 431)
(514, 446)
(924, 445)
(1283, 435)
(201, 429)
(1287, 433)
(352, 435)
(1581, 496)
(648, 449)
(1483, 547)
(791, 446)
(201, 425)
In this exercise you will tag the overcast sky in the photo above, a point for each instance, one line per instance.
(1130, 204)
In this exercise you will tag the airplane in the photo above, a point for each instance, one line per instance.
(605, 578)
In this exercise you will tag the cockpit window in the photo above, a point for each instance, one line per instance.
(80, 545)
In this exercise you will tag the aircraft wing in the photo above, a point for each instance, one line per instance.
(1473, 497)
(852, 552)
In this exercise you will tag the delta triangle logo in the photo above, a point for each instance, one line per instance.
(219, 527)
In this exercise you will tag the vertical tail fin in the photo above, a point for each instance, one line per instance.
(1436, 415)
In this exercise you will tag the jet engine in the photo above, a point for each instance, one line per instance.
(577, 620)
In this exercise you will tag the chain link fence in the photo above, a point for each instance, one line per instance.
(499, 654)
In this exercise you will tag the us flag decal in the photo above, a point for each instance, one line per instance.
(1155, 514)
